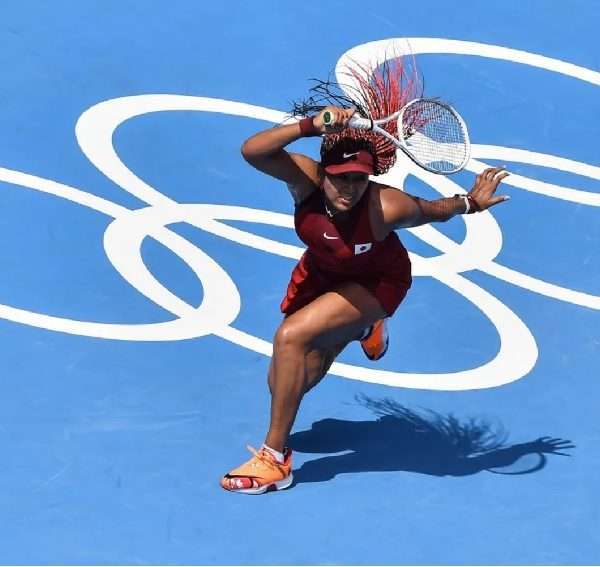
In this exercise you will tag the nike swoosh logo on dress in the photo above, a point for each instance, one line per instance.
(330, 237)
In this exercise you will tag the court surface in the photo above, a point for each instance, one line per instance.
(143, 264)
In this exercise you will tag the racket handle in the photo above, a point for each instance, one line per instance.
(360, 123)
(355, 122)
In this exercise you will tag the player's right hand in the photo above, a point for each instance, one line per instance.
(338, 119)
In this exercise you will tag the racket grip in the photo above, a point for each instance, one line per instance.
(357, 122)
(360, 123)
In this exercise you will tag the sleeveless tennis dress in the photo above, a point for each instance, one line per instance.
(349, 252)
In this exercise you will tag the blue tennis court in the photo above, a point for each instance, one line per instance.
(144, 262)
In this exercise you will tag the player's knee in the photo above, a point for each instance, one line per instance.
(288, 335)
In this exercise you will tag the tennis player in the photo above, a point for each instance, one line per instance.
(355, 271)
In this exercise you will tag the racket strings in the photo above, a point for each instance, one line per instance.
(434, 136)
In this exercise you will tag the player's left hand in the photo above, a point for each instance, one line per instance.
(484, 189)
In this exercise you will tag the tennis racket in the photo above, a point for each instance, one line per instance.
(430, 132)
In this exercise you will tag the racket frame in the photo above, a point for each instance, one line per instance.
(362, 123)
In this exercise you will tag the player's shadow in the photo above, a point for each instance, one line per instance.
(423, 441)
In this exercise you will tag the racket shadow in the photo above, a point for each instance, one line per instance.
(424, 442)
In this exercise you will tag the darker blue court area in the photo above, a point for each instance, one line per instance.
(121, 407)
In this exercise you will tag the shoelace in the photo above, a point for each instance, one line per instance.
(264, 457)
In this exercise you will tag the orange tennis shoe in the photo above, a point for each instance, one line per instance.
(261, 473)
(375, 344)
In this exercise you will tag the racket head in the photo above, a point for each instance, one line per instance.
(434, 136)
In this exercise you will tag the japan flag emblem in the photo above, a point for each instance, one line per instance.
(362, 248)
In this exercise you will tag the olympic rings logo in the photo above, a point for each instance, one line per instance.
(221, 302)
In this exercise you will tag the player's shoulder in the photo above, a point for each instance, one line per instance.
(385, 193)
(392, 203)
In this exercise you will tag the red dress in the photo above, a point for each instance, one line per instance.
(346, 253)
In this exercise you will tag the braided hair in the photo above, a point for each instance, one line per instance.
(375, 92)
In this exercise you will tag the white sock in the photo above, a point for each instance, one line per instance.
(279, 456)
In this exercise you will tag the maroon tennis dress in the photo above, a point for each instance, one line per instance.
(338, 254)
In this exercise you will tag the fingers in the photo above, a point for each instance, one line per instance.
(491, 171)
(345, 116)
(336, 118)
(498, 199)
(486, 184)
(495, 174)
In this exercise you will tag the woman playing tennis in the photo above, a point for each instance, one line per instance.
(355, 271)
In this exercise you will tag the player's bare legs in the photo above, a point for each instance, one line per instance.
(306, 344)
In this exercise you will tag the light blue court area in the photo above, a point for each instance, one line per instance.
(143, 263)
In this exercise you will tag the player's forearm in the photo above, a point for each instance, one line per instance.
(414, 211)
(270, 142)
(439, 210)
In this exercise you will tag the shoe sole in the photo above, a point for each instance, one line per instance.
(279, 485)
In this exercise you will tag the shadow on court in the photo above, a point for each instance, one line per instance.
(423, 441)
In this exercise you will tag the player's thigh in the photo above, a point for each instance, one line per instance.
(332, 319)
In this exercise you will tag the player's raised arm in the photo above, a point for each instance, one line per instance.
(266, 150)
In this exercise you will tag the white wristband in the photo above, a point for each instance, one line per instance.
(467, 204)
